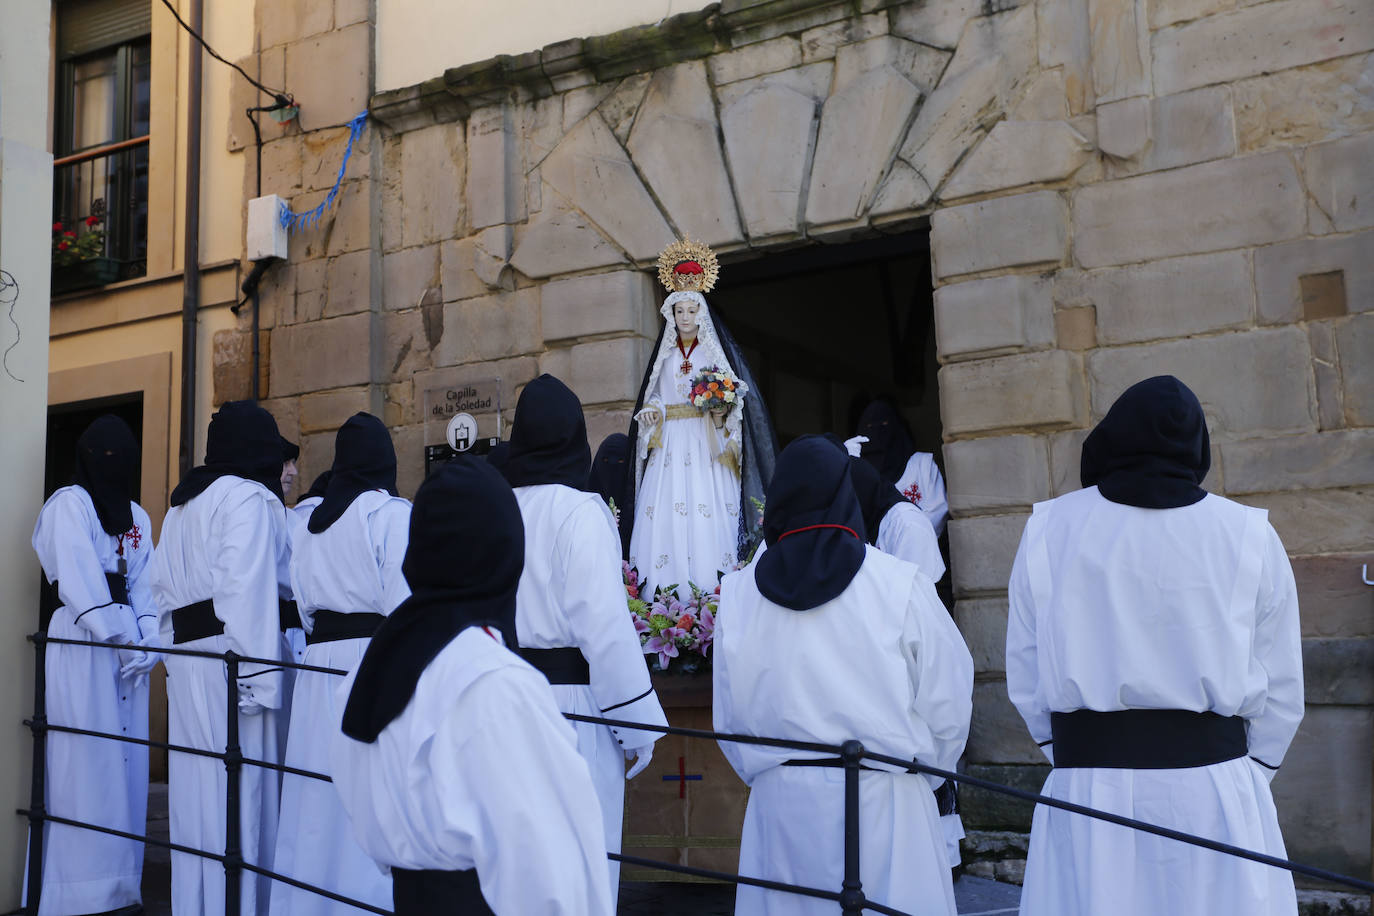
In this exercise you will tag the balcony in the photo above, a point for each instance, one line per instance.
(100, 216)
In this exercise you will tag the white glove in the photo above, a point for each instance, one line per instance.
(642, 757)
(249, 706)
(855, 445)
(132, 661)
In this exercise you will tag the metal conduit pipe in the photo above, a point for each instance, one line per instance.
(190, 296)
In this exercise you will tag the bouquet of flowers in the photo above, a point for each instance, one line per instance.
(676, 635)
(713, 389)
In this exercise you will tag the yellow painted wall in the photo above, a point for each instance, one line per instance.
(420, 39)
(229, 30)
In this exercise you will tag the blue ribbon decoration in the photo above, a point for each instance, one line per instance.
(293, 221)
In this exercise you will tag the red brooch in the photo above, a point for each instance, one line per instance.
(913, 493)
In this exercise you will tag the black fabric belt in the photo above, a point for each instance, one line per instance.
(560, 666)
(288, 615)
(51, 600)
(195, 621)
(1146, 739)
(821, 762)
(947, 798)
(332, 626)
(430, 892)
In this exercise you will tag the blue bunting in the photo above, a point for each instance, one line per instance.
(292, 220)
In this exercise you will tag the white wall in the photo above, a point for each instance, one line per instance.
(420, 39)
(25, 241)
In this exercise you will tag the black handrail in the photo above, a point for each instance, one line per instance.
(851, 756)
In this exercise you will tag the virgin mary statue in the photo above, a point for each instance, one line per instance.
(700, 469)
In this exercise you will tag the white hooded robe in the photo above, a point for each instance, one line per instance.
(95, 780)
(1193, 608)
(882, 663)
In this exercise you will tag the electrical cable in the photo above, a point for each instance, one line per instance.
(282, 97)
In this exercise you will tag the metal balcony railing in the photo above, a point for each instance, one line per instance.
(100, 215)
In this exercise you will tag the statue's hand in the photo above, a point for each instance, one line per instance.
(649, 416)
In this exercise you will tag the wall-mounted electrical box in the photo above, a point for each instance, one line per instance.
(266, 234)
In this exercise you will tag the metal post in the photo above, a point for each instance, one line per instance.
(233, 766)
(38, 789)
(852, 899)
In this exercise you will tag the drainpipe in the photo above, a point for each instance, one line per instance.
(190, 295)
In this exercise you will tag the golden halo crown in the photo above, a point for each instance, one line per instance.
(686, 266)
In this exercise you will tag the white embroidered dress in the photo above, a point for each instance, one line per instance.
(686, 522)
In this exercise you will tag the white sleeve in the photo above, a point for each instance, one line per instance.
(934, 503)
(907, 534)
(62, 540)
(245, 543)
(514, 791)
(140, 578)
(942, 670)
(390, 527)
(1278, 650)
(722, 702)
(1023, 663)
(588, 565)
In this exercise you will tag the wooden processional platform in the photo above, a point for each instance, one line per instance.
(688, 806)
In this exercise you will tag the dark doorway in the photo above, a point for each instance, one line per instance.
(828, 328)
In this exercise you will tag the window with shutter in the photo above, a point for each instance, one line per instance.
(100, 173)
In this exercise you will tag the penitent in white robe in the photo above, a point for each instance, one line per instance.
(900, 681)
(572, 594)
(225, 544)
(686, 522)
(908, 534)
(353, 566)
(480, 771)
(924, 487)
(1116, 607)
(95, 780)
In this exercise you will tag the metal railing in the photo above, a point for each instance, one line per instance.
(850, 757)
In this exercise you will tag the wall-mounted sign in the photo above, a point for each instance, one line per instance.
(462, 432)
(462, 417)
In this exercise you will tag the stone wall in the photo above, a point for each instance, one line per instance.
(1114, 189)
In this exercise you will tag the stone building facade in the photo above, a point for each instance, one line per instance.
(1113, 189)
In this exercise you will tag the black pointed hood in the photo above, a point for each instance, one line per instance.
(813, 526)
(242, 442)
(889, 442)
(1152, 449)
(106, 462)
(548, 441)
(364, 459)
(461, 575)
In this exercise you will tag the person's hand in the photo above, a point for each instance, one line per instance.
(718, 414)
(131, 657)
(855, 445)
(649, 416)
(642, 757)
(248, 706)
